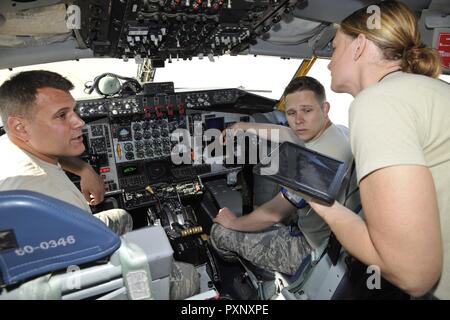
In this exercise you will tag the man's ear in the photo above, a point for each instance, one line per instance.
(326, 107)
(360, 44)
(17, 128)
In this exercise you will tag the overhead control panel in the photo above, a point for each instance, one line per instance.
(170, 29)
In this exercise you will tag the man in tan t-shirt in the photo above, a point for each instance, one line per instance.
(44, 136)
(253, 236)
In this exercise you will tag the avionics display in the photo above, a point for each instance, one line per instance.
(215, 123)
(129, 170)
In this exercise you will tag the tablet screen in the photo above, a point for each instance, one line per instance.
(304, 170)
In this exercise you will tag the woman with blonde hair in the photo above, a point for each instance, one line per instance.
(400, 137)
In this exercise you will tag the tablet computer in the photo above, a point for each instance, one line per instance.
(304, 170)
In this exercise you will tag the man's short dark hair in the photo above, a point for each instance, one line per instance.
(18, 94)
(306, 83)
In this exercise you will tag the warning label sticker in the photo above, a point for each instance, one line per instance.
(444, 49)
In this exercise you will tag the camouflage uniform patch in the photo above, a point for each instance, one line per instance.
(184, 281)
(274, 249)
(118, 220)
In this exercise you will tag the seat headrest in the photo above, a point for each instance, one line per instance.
(40, 234)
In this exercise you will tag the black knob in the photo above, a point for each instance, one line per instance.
(137, 135)
(128, 146)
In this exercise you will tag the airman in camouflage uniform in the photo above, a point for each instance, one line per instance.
(256, 236)
(276, 249)
(184, 281)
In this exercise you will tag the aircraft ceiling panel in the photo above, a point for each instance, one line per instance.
(295, 38)
(165, 29)
(334, 11)
(178, 28)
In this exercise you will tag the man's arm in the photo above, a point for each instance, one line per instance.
(401, 233)
(268, 131)
(260, 219)
(92, 185)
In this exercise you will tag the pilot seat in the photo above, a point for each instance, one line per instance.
(50, 249)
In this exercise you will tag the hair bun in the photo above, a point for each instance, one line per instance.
(421, 60)
(412, 51)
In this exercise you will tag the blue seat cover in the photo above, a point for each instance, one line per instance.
(40, 234)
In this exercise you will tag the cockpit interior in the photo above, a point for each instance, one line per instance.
(130, 140)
